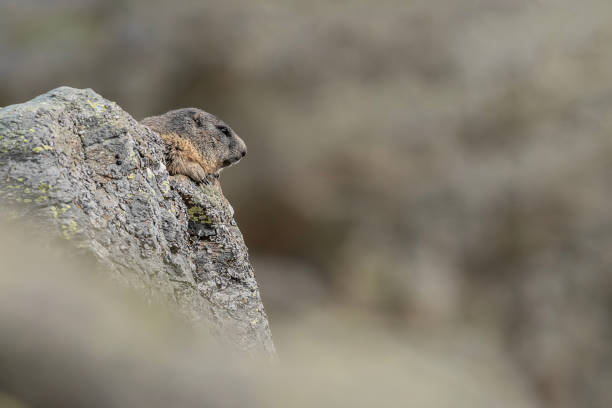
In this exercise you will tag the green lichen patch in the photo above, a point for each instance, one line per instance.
(197, 214)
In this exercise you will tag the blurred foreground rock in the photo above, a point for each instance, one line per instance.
(79, 165)
(74, 339)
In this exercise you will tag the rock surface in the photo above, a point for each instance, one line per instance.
(81, 166)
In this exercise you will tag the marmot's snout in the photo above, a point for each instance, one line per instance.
(238, 150)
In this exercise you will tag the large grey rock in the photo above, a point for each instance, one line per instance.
(79, 165)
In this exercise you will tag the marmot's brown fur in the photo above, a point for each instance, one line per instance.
(197, 143)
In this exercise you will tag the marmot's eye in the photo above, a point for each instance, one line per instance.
(225, 130)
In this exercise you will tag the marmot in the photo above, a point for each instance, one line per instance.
(198, 144)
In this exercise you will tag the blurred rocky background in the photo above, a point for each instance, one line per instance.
(437, 171)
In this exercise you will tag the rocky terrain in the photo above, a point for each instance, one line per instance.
(86, 170)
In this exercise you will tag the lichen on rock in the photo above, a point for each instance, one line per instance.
(97, 177)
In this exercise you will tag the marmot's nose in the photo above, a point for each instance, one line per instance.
(244, 152)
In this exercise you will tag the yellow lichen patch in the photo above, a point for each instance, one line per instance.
(164, 186)
(98, 107)
(27, 200)
(56, 212)
(43, 187)
(39, 149)
(69, 229)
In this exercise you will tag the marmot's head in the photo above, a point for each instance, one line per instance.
(216, 142)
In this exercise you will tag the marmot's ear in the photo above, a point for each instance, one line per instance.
(198, 118)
